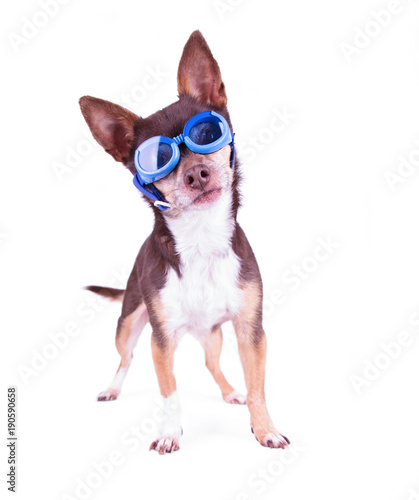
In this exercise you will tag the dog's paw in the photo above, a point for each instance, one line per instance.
(235, 398)
(109, 395)
(271, 439)
(166, 444)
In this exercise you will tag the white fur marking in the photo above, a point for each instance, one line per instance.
(171, 425)
(170, 429)
(119, 378)
(207, 294)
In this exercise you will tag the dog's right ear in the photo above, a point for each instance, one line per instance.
(111, 125)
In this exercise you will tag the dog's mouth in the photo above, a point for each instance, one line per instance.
(209, 196)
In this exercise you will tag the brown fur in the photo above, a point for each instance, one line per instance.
(110, 293)
(163, 363)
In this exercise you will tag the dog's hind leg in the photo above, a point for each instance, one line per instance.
(127, 333)
(212, 345)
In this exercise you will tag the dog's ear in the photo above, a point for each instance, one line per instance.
(111, 125)
(199, 74)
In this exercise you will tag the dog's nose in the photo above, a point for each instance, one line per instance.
(197, 177)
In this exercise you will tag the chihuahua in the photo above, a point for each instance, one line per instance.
(196, 270)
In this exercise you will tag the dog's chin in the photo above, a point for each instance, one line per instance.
(207, 197)
(187, 202)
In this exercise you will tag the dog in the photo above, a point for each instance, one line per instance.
(196, 270)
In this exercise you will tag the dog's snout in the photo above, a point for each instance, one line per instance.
(197, 177)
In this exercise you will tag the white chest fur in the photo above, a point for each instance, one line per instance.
(207, 292)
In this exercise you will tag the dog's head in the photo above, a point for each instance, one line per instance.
(199, 180)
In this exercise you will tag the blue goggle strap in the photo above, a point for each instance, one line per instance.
(233, 157)
(154, 195)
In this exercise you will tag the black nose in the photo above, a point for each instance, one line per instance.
(197, 177)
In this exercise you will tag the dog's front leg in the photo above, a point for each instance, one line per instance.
(170, 430)
(251, 341)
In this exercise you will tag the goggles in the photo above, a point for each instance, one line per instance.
(156, 157)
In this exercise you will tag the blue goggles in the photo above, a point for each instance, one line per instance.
(156, 157)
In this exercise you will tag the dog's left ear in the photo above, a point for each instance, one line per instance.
(111, 125)
(199, 74)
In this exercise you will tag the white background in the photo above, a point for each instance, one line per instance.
(322, 177)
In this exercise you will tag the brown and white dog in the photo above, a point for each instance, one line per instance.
(196, 270)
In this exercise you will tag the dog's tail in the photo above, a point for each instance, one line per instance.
(114, 294)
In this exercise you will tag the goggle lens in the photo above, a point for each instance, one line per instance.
(206, 132)
(155, 156)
